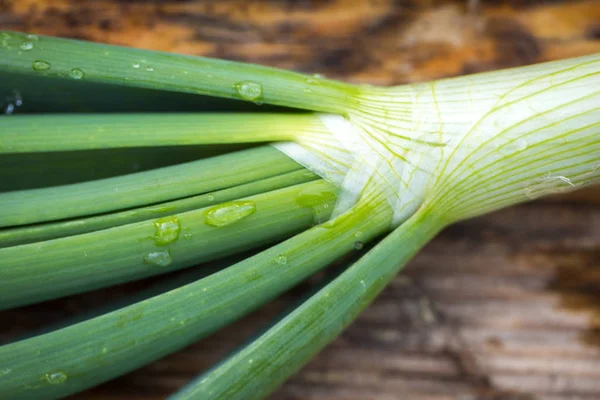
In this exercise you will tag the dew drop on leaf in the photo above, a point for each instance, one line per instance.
(249, 90)
(158, 258)
(521, 144)
(166, 230)
(56, 378)
(229, 213)
(317, 200)
(12, 103)
(26, 46)
(40, 65)
(8, 108)
(281, 260)
(76, 73)
(18, 99)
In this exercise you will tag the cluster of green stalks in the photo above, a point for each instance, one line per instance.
(118, 164)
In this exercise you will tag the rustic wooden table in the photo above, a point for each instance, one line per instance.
(505, 306)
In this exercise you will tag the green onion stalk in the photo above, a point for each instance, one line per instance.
(308, 167)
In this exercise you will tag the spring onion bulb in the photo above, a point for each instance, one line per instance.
(409, 159)
(468, 145)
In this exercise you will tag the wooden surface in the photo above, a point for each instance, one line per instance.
(502, 307)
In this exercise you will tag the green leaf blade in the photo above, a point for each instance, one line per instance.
(56, 58)
(126, 191)
(67, 132)
(36, 233)
(71, 359)
(43, 270)
(260, 367)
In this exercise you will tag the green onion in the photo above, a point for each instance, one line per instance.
(150, 187)
(61, 132)
(409, 159)
(263, 365)
(20, 171)
(71, 60)
(43, 270)
(52, 230)
(71, 359)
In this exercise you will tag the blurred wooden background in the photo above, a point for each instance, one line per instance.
(501, 307)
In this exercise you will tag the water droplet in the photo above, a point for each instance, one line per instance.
(307, 90)
(252, 275)
(521, 144)
(136, 65)
(76, 73)
(166, 230)
(318, 201)
(158, 258)
(149, 69)
(312, 197)
(18, 99)
(229, 213)
(187, 235)
(359, 245)
(26, 46)
(281, 260)
(8, 109)
(32, 37)
(56, 378)
(318, 76)
(210, 197)
(5, 371)
(249, 90)
(40, 65)
(332, 223)
(548, 184)
(104, 350)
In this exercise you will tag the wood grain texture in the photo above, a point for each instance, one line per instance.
(502, 307)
